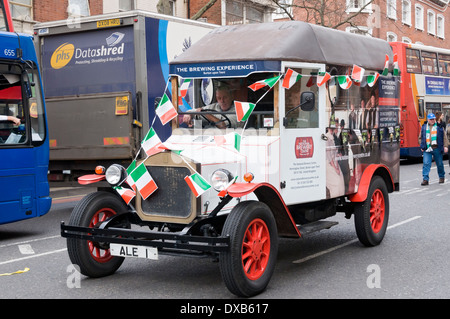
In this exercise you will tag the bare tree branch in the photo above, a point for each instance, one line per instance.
(199, 14)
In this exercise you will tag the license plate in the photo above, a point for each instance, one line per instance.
(134, 251)
(108, 23)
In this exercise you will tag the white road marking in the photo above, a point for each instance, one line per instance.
(26, 249)
(324, 252)
(32, 256)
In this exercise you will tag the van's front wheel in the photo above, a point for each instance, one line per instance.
(249, 263)
(94, 258)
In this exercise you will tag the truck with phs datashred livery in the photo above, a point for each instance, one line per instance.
(101, 77)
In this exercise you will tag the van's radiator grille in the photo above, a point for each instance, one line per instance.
(173, 197)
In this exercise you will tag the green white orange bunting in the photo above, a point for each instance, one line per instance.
(268, 82)
(151, 143)
(165, 110)
(357, 73)
(290, 78)
(386, 66)
(323, 78)
(243, 110)
(197, 184)
(372, 79)
(184, 87)
(126, 193)
(143, 181)
(344, 81)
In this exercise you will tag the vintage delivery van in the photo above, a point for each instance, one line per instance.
(275, 128)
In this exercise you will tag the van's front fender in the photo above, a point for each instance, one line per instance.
(269, 195)
(366, 178)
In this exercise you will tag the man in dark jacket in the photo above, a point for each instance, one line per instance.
(432, 145)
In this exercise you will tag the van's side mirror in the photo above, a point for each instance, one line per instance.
(307, 101)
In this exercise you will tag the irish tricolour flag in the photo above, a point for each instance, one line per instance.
(372, 79)
(290, 78)
(184, 87)
(151, 143)
(197, 184)
(344, 81)
(243, 110)
(386, 66)
(143, 181)
(165, 110)
(267, 82)
(126, 193)
(358, 73)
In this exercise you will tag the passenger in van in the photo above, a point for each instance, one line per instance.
(224, 103)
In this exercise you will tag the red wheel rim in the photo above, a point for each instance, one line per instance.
(377, 210)
(255, 249)
(99, 254)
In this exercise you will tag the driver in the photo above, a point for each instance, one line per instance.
(13, 119)
(224, 104)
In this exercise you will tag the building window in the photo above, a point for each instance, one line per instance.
(406, 12)
(283, 10)
(362, 30)
(240, 12)
(419, 17)
(440, 26)
(406, 40)
(126, 5)
(22, 9)
(391, 9)
(431, 22)
(79, 8)
(235, 12)
(357, 5)
(391, 37)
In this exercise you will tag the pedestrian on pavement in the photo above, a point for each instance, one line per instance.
(432, 146)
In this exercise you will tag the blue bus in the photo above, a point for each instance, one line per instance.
(24, 147)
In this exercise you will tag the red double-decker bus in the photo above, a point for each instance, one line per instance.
(425, 88)
(6, 23)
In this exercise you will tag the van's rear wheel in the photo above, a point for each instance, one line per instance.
(249, 263)
(94, 258)
(371, 218)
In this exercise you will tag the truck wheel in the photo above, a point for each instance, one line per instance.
(248, 265)
(371, 218)
(93, 258)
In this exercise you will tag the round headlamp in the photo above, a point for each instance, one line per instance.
(220, 179)
(115, 174)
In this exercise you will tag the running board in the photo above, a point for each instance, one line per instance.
(313, 227)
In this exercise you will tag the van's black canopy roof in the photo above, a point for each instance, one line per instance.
(287, 41)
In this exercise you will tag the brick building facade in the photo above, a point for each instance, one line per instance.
(414, 21)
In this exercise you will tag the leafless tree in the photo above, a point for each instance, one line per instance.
(328, 13)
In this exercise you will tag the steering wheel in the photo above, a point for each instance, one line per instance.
(211, 123)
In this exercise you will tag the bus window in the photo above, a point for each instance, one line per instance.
(2, 18)
(421, 108)
(35, 106)
(433, 107)
(12, 116)
(413, 61)
(429, 63)
(444, 64)
(446, 111)
(299, 118)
